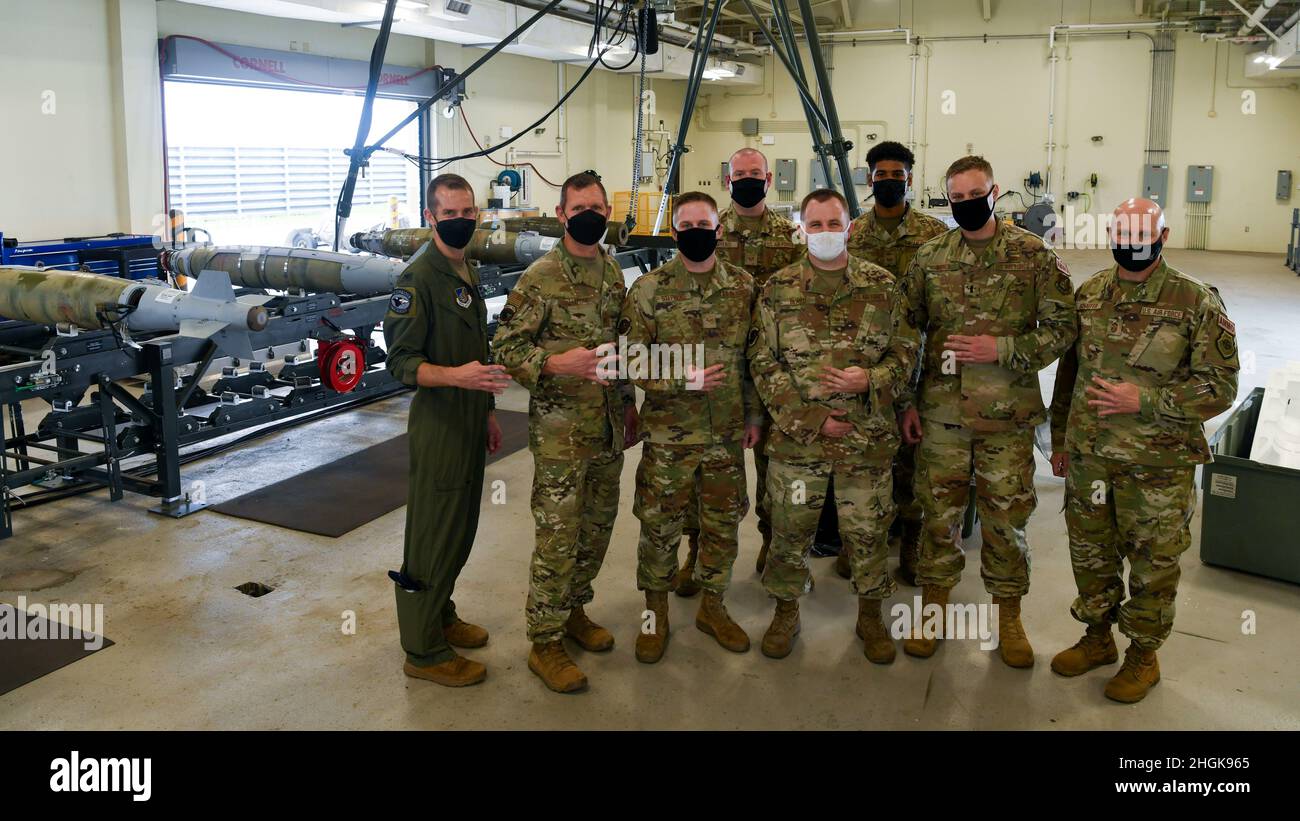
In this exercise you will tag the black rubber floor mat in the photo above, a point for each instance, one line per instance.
(32, 646)
(343, 495)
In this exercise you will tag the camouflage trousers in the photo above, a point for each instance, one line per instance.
(864, 501)
(761, 504)
(1003, 466)
(1118, 510)
(672, 479)
(574, 505)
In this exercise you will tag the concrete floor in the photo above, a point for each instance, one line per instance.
(192, 652)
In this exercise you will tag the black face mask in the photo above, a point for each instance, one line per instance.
(748, 192)
(456, 233)
(1136, 258)
(697, 244)
(974, 213)
(889, 193)
(587, 227)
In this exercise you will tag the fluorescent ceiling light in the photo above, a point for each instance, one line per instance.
(719, 71)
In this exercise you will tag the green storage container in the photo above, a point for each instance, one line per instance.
(1251, 518)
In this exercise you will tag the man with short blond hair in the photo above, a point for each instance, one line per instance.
(996, 306)
(830, 349)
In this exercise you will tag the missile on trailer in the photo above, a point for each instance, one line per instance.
(93, 301)
(507, 247)
(615, 234)
(403, 242)
(285, 269)
(395, 242)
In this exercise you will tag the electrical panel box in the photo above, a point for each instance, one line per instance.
(785, 179)
(861, 175)
(722, 175)
(749, 126)
(1200, 183)
(1155, 183)
(1284, 185)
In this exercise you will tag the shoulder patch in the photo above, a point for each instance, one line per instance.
(1227, 324)
(624, 325)
(1226, 345)
(1061, 266)
(753, 337)
(401, 300)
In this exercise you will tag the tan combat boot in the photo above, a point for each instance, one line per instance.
(909, 553)
(1139, 674)
(778, 641)
(589, 635)
(684, 583)
(1013, 644)
(552, 664)
(842, 567)
(650, 647)
(877, 645)
(1096, 648)
(463, 634)
(919, 646)
(714, 619)
(458, 672)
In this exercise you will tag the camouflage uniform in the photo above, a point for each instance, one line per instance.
(760, 252)
(805, 320)
(1130, 487)
(894, 251)
(575, 428)
(979, 418)
(692, 438)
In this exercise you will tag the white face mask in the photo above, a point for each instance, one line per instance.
(827, 245)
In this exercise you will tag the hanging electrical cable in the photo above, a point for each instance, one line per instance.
(619, 32)
(642, 40)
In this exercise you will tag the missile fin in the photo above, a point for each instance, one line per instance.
(200, 328)
(214, 284)
(254, 299)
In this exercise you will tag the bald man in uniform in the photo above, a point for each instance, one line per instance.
(1156, 357)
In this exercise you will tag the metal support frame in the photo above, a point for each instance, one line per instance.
(358, 156)
(783, 24)
(787, 51)
(838, 146)
(699, 60)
